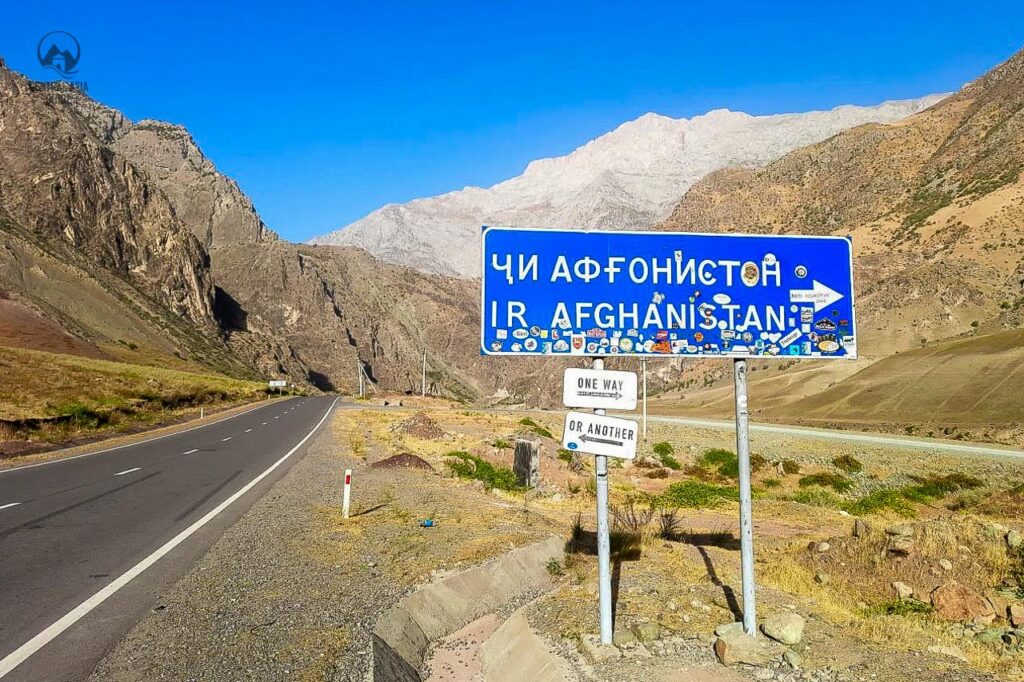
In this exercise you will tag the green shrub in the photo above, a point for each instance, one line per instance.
(757, 462)
(501, 444)
(663, 448)
(837, 482)
(935, 487)
(848, 463)
(789, 467)
(566, 456)
(881, 500)
(465, 465)
(771, 483)
(696, 494)
(723, 461)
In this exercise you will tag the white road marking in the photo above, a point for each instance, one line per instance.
(127, 445)
(222, 440)
(189, 452)
(248, 430)
(128, 471)
(263, 424)
(9, 505)
(22, 653)
(277, 417)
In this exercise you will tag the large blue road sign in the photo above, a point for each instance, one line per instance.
(568, 292)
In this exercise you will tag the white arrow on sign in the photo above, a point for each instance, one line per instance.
(819, 294)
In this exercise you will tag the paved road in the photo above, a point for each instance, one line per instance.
(897, 442)
(88, 545)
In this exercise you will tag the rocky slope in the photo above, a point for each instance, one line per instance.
(630, 178)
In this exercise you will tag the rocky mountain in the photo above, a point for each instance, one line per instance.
(630, 178)
(934, 203)
(121, 240)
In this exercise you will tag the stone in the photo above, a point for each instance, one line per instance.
(1014, 539)
(995, 530)
(861, 529)
(951, 651)
(784, 626)
(739, 647)
(794, 659)
(899, 545)
(647, 632)
(945, 564)
(900, 530)
(955, 602)
(1017, 615)
(597, 652)
(623, 638)
(726, 629)
(822, 547)
(903, 590)
(822, 578)
(1000, 606)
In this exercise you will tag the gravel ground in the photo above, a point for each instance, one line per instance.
(293, 592)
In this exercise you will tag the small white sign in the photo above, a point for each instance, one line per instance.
(599, 389)
(600, 435)
(277, 383)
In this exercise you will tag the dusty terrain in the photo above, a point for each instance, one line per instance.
(303, 597)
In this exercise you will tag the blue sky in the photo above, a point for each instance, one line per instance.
(324, 111)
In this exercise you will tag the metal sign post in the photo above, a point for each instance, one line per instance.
(644, 363)
(604, 571)
(746, 513)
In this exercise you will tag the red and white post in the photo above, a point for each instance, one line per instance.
(345, 497)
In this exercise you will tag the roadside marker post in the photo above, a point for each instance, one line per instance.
(665, 294)
(347, 494)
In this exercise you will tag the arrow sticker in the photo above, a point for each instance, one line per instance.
(607, 441)
(819, 294)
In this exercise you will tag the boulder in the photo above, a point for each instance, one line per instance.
(945, 564)
(647, 632)
(739, 647)
(900, 530)
(822, 547)
(1014, 539)
(822, 578)
(861, 529)
(1017, 615)
(955, 602)
(903, 590)
(899, 545)
(623, 638)
(795, 660)
(784, 626)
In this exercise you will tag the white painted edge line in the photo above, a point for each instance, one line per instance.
(129, 445)
(189, 452)
(128, 471)
(9, 505)
(225, 440)
(22, 653)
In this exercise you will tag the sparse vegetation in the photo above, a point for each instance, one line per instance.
(721, 460)
(837, 482)
(554, 568)
(665, 453)
(771, 483)
(535, 428)
(899, 607)
(790, 467)
(501, 444)
(879, 501)
(848, 463)
(696, 494)
(817, 497)
(465, 465)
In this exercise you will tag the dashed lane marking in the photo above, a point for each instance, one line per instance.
(189, 452)
(9, 505)
(128, 471)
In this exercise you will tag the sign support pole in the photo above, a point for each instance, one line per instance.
(746, 514)
(604, 580)
(644, 363)
(423, 385)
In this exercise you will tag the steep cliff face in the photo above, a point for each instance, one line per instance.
(64, 186)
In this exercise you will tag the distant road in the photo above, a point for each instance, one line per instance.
(88, 544)
(850, 437)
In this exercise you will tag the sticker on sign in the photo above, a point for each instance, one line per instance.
(599, 389)
(597, 434)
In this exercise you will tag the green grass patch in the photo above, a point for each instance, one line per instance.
(695, 494)
(817, 497)
(465, 465)
(838, 482)
(535, 428)
(900, 607)
(501, 444)
(879, 501)
(663, 448)
(723, 461)
(771, 483)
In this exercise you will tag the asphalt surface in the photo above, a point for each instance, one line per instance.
(88, 545)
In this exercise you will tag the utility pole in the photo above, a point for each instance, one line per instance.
(644, 363)
(423, 384)
(746, 512)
